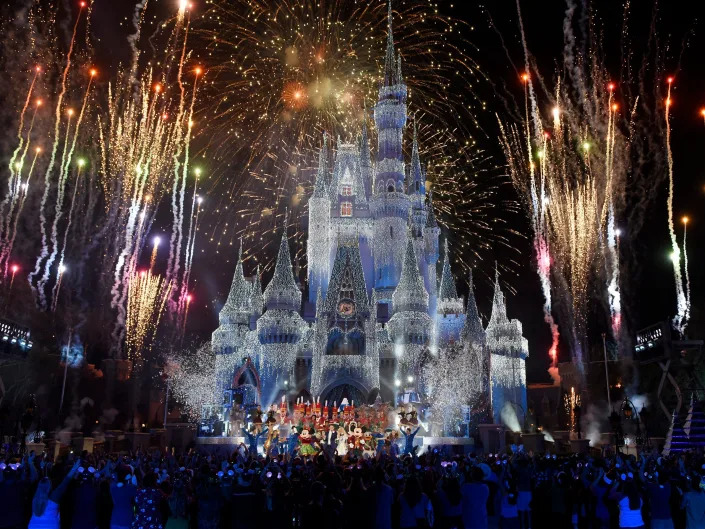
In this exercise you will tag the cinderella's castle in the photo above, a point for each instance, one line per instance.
(377, 310)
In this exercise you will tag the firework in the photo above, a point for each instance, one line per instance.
(283, 72)
(680, 320)
(686, 317)
(49, 173)
(147, 296)
(570, 402)
(577, 161)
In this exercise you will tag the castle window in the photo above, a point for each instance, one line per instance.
(417, 186)
(346, 209)
(346, 190)
(391, 232)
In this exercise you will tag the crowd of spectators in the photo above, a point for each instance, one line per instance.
(154, 490)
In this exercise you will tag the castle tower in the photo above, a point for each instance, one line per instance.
(390, 205)
(508, 351)
(410, 325)
(280, 328)
(450, 315)
(229, 338)
(318, 247)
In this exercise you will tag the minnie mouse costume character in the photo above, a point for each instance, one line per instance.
(307, 444)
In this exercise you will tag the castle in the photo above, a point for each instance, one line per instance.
(377, 311)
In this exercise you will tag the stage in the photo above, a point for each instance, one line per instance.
(461, 445)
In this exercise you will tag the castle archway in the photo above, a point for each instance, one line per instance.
(345, 388)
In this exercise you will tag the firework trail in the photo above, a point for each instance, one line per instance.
(20, 128)
(539, 202)
(178, 226)
(680, 320)
(184, 297)
(61, 189)
(55, 291)
(10, 235)
(52, 161)
(13, 195)
(173, 261)
(14, 165)
(153, 259)
(685, 268)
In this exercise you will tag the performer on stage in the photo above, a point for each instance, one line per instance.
(293, 441)
(253, 439)
(307, 444)
(331, 440)
(409, 439)
(342, 441)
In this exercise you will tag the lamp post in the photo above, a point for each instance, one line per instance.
(616, 423)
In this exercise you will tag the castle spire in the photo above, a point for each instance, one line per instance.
(256, 298)
(282, 291)
(447, 290)
(410, 294)
(390, 77)
(473, 329)
(319, 190)
(237, 306)
(416, 184)
(431, 217)
(499, 306)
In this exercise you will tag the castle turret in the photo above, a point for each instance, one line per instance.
(450, 316)
(229, 338)
(390, 206)
(281, 328)
(508, 352)
(318, 248)
(410, 325)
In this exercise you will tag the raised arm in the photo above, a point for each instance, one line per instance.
(58, 492)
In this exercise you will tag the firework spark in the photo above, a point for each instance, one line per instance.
(146, 299)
